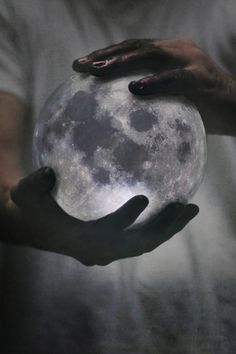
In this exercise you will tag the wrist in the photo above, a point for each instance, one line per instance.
(217, 103)
(225, 89)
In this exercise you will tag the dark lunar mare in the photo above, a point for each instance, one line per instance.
(140, 124)
(128, 156)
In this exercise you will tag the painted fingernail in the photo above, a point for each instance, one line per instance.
(83, 60)
(76, 65)
(132, 84)
(137, 85)
(99, 64)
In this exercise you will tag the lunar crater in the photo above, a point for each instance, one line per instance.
(107, 145)
(184, 151)
(101, 175)
(182, 126)
(140, 124)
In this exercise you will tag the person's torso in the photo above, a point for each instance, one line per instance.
(179, 298)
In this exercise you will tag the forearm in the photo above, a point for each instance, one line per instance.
(217, 106)
(12, 119)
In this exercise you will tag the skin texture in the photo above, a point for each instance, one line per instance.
(176, 67)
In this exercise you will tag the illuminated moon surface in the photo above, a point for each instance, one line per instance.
(107, 145)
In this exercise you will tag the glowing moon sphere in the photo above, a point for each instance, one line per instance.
(107, 145)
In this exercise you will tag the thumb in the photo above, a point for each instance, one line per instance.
(176, 82)
(33, 187)
(32, 196)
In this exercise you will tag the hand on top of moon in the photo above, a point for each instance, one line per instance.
(178, 66)
(102, 241)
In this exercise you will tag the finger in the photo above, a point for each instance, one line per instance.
(163, 221)
(177, 82)
(136, 241)
(160, 229)
(190, 211)
(38, 183)
(80, 64)
(125, 215)
(132, 61)
(46, 220)
(32, 196)
(172, 221)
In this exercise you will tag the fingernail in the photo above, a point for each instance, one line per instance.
(83, 60)
(76, 65)
(99, 64)
(137, 85)
(142, 199)
(132, 84)
(78, 62)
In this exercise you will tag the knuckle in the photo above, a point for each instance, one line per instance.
(188, 72)
(160, 51)
(136, 43)
(198, 54)
(158, 47)
(93, 56)
(95, 53)
(189, 42)
(156, 42)
(194, 52)
(121, 59)
(185, 42)
(151, 52)
(130, 41)
(188, 75)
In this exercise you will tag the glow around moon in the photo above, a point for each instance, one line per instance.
(106, 145)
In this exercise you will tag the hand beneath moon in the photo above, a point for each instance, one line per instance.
(42, 224)
(177, 67)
